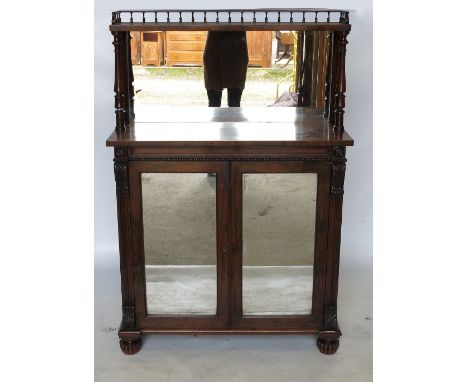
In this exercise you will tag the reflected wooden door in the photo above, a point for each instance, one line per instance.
(152, 47)
(259, 45)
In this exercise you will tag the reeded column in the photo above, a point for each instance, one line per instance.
(328, 340)
(130, 339)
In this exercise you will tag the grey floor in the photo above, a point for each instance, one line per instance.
(180, 358)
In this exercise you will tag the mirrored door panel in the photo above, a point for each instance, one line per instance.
(179, 229)
(278, 231)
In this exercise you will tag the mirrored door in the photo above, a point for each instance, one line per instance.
(278, 231)
(182, 256)
(280, 215)
(179, 227)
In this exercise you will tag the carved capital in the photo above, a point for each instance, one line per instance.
(338, 151)
(121, 169)
(118, 40)
(121, 153)
(338, 170)
(342, 41)
(331, 320)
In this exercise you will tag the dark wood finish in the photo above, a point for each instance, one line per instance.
(306, 86)
(287, 322)
(229, 27)
(327, 347)
(333, 80)
(130, 340)
(232, 127)
(230, 142)
(119, 86)
(314, 69)
(298, 61)
(328, 336)
(129, 91)
(328, 162)
(144, 319)
(328, 78)
(321, 70)
(340, 81)
(231, 19)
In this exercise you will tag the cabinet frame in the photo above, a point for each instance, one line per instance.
(229, 188)
(312, 140)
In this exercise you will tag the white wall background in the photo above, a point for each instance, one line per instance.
(357, 210)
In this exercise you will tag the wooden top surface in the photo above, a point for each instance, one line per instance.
(204, 126)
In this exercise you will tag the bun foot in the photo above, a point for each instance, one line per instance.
(328, 347)
(130, 346)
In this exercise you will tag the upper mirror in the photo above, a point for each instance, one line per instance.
(255, 68)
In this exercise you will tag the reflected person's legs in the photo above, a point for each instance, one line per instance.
(214, 100)
(214, 97)
(234, 97)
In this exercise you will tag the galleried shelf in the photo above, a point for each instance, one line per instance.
(230, 218)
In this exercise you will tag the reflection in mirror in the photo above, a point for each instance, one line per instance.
(179, 224)
(285, 68)
(278, 231)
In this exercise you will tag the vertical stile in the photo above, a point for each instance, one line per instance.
(328, 17)
(291, 18)
(131, 17)
(328, 77)
(155, 17)
(242, 17)
(180, 17)
(303, 17)
(229, 16)
(266, 16)
(279, 17)
(254, 18)
(168, 18)
(217, 16)
(144, 17)
(193, 17)
(316, 16)
(204, 17)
